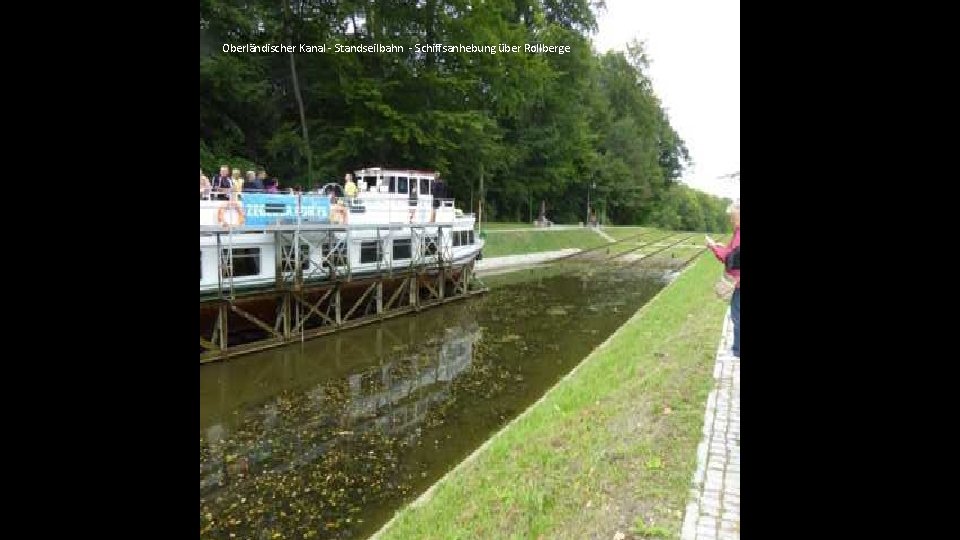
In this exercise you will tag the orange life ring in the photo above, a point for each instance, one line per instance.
(238, 208)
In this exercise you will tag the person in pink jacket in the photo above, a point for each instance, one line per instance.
(724, 253)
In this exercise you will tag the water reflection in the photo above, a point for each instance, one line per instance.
(343, 434)
(328, 439)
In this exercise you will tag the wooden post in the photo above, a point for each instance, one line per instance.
(480, 205)
(336, 298)
(414, 291)
(224, 312)
(278, 241)
(443, 281)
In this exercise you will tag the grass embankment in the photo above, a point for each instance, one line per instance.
(506, 225)
(653, 240)
(610, 448)
(504, 243)
(620, 233)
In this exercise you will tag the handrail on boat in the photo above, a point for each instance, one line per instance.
(287, 208)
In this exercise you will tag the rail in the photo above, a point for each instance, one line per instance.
(253, 210)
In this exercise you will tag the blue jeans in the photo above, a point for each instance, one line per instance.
(735, 315)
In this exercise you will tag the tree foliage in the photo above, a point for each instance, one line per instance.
(540, 127)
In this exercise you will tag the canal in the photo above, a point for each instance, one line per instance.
(328, 438)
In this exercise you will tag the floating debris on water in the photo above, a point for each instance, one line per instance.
(327, 440)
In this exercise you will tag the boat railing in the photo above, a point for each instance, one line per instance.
(397, 210)
(289, 208)
(359, 199)
(226, 194)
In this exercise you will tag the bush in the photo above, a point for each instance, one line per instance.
(210, 162)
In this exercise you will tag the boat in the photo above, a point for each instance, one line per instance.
(275, 267)
(394, 223)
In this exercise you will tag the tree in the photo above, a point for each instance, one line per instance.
(539, 126)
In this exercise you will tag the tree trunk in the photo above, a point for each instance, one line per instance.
(480, 204)
(296, 92)
(303, 121)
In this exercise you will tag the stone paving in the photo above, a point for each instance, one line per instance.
(714, 509)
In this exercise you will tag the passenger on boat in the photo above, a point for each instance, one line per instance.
(253, 183)
(237, 181)
(349, 188)
(222, 183)
(338, 212)
(204, 186)
(271, 185)
(330, 191)
(262, 177)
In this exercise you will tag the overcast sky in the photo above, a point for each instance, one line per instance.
(694, 51)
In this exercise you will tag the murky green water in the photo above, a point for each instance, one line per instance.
(327, 439)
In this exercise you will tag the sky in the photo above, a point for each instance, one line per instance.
(694, 52)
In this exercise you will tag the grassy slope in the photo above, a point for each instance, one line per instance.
(506, 225)
(504, 243)
(622, 232)
(612, 448)
(513, 243)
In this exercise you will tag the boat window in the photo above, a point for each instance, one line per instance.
(401, 184)
(463, 238)
(456, 238)
(401, 248)
(370, 180)
(246, 262)
(393, 184)
(429, 246)
(424, 186)
(333, 256)
(470, 237)
(288, 257)
(370, 252)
